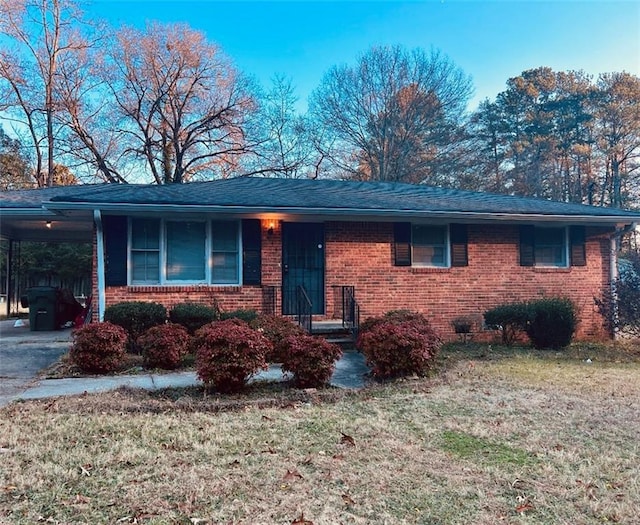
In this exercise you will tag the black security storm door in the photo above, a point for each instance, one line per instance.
(302, 264)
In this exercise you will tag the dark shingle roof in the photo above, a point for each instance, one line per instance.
(328, 196)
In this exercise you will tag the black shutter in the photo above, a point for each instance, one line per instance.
(527, 246)
(458, 241)
(251, 252)
(578, 252)
(402, 244)
(114, 229)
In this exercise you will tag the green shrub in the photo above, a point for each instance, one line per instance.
(510, 319)
(399, 344)
(99, 347)
(193, 315)
(228, 352)
(310, 359)
(245, 315)
(277, 329)
(136, 317)
(553, 322)
(164, 346)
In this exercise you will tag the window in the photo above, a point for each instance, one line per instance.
(550, 247)
(145, 251)
(555, 247)
(224, 252)
(429, 245)
(186, 251)
(166, 252)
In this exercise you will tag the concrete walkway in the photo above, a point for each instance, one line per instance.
(23, 354)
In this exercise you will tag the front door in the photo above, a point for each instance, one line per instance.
(302, 264)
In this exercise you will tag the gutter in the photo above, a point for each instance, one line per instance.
(614, 273)
(361, 213)
(100, 270)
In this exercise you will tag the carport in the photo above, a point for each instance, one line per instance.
(24, 217)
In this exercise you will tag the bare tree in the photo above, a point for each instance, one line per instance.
(392, 115)
(40, 35)
(183, 105)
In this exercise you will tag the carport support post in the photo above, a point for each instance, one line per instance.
(9, 276)
(97, 218)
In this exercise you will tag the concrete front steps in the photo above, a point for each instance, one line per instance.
(335, 333)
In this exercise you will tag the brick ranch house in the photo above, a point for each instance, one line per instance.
(254, 243)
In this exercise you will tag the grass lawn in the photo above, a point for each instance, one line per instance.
(496, 436)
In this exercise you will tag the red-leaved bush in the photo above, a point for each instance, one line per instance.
(164, 346)
(400, 346)
(228, 353)
(277, 329)
(99, 347)
(310, 359)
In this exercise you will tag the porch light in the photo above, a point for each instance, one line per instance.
(48, 224)
(271, 224)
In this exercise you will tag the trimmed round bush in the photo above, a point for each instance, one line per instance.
(228, 353)
(99, 347)
(400, 345)
(193, 315)
(248, 316)
(164, 346)
(310, 359)
(136, 317)
(553, 322)
(277, 329)
(511, 319)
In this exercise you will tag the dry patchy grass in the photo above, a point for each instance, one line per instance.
(513, 437)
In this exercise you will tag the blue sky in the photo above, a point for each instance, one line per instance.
(490, 40)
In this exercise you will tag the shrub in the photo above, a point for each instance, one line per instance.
(245, 315)
(553, 322)
(136, 317)
(510, 319)
(399, 345)
(228, 352)
(99, 347)
(395, 317)
(622, 309)
(310, 359)
(193, 315)
(164, 346)
(277, 329)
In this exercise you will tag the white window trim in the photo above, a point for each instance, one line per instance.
(447, 247)
(208, 254)
(567, 254)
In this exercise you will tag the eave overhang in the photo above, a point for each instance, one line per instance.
(345, 214)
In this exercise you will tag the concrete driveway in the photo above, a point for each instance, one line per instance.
(24, 353)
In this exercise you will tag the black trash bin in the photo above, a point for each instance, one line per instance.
(43, 308)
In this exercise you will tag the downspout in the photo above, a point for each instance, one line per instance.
(97, 219)
(614, 273)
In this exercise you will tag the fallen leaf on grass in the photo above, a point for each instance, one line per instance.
(300, 520)
(291, 475)
(523, 507)
(348, 499)
(347, 440)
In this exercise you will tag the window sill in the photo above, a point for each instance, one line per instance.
(429, 269)
(552, 269)
(179, 288)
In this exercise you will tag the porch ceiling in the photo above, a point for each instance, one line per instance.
(46, 227)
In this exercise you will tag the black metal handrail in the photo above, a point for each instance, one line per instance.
(350, 310)
(304, 308)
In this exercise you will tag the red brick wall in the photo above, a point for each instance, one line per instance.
(360, 254)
